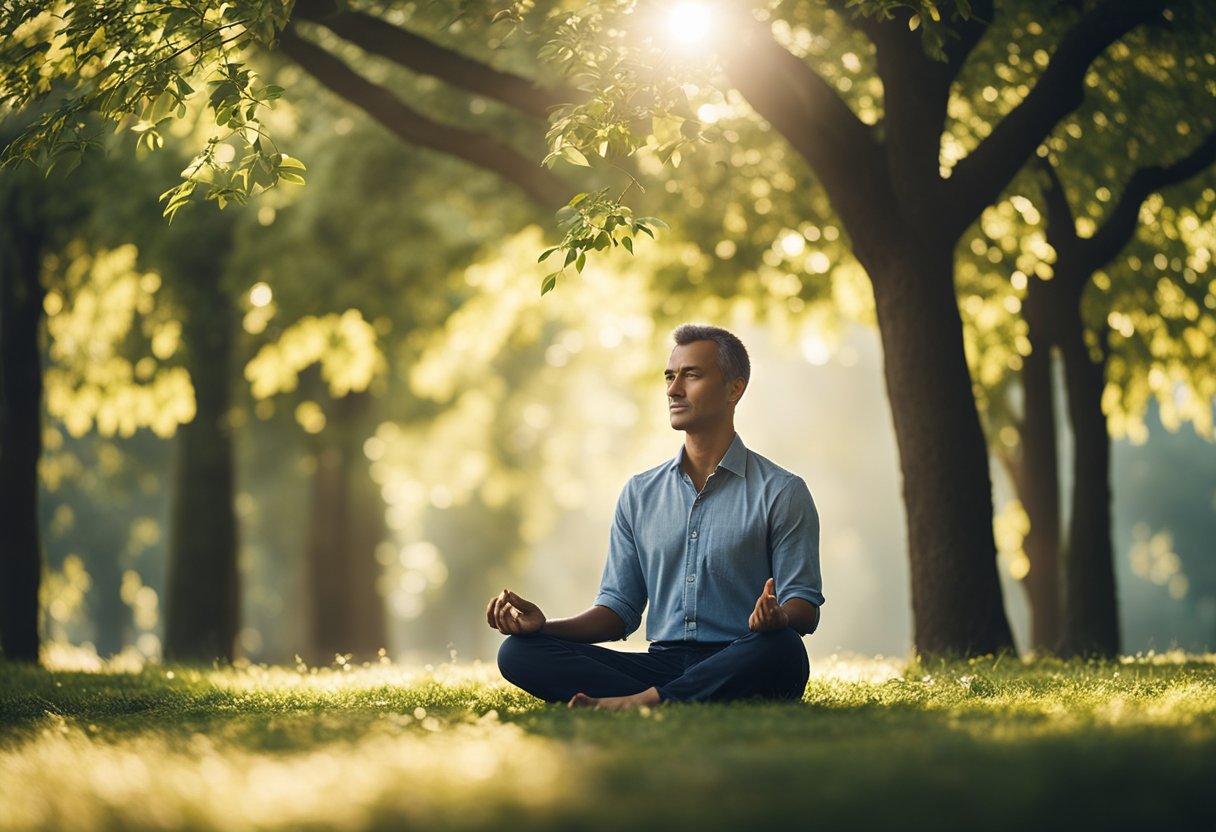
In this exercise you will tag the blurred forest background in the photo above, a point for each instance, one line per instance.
(349, 406)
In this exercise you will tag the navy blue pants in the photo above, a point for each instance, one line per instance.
(771, 665)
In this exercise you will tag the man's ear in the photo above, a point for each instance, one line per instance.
(736, 388)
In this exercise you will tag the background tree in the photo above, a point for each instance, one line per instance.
(22, 244)
(1142, 130)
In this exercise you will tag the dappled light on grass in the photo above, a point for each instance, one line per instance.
(463, 772)
(277, 748)
(453, 746)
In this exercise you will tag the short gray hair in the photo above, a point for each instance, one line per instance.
(732, 355)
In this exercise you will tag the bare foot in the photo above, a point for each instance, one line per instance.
(648, 698)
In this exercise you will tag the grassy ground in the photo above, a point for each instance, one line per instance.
(993, 744)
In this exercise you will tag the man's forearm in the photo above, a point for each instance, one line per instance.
(803, 615)
(589, 626)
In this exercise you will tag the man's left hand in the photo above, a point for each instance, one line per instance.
(768, 614)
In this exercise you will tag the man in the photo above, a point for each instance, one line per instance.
(722, 543)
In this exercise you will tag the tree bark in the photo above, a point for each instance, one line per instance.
(956, 595)
(1038, 479)
(21, 316)
(1091, 618)
(203, 603)
(346, 611)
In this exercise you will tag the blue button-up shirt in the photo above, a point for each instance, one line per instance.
(702, 559)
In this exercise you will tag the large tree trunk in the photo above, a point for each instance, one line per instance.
(21, 297)
(956, 595)
(346, 610)
(1038, 479)
(203, 598)
(1091, 617)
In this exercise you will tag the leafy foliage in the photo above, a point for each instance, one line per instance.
(594, 222)
(138, 64)
(93, 307)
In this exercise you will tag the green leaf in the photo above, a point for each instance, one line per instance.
(570, 255)
(913, 23)
(628, 244)
(580, 262)
(545, 254)
(575, 156)
(549, 283)
(286, 161)
(566, 215)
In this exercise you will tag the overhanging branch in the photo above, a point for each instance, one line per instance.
(418, 54)
(543, 187)
(809, 113)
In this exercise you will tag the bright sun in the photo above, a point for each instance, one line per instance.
(690, 24)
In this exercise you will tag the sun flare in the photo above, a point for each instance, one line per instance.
(690, 24)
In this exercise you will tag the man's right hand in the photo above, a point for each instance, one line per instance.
(514, 616)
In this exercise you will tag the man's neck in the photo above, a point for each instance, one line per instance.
(704, 450)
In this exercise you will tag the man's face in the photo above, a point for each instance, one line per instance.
(698, 396)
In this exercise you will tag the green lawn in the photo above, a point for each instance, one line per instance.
(993, 744)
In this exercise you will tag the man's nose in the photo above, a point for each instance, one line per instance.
(675, 387)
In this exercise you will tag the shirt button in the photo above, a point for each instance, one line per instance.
(692, 578)
(694, 534)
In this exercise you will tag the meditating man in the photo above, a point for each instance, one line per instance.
(722, 543)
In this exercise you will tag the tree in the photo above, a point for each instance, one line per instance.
(22, 244)
(1090, 621)
(1144, 129)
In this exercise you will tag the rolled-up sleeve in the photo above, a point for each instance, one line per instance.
(623, 587)
(794, 529)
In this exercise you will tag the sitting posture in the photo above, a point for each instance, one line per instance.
(722, 543)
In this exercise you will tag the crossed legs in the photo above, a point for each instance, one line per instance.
(772, 665)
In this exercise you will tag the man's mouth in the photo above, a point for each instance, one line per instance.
(676, 406)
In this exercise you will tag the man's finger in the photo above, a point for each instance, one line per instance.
(522, 604)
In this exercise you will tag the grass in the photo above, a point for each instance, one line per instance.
(988, 744)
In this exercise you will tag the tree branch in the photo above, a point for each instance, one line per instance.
(543, 187)
(978, 179)
(1120, 225)
(416, 53)
(809, 113)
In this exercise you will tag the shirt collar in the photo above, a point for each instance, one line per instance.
(734, 461)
